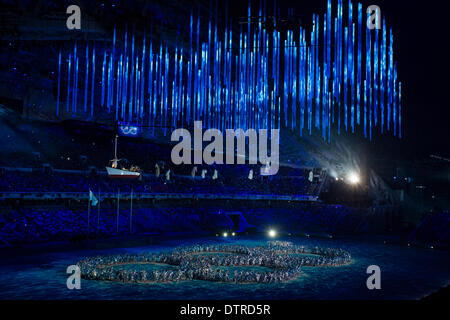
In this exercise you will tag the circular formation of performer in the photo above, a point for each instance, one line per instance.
(211, 262)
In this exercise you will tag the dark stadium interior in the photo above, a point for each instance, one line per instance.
(378, 192)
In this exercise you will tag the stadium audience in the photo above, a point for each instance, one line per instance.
(83, 181)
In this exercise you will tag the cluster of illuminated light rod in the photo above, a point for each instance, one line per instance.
(341, 76)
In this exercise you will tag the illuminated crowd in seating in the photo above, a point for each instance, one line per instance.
(45, 223)
(37, 225)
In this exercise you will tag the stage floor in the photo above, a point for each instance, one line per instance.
(406, 273)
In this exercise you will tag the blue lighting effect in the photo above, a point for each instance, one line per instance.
(340, 73)
(59, 83)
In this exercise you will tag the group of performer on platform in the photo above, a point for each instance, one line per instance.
(212, 263)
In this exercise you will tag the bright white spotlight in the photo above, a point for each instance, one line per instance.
(225, 234)
(272, 233)
(233, 234)
(353, 178)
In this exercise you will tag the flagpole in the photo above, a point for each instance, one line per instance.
(118, 199)
(131, 211)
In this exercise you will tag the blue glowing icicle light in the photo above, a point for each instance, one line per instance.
(68, 82)
(335, 76)
(303, 71)
(75, 79)
(124, 90)
(324, 77)
(383, 76)
(93, 80)
(117, 89)
(103, 78)
(368, 83)
(365, 108)
(309, 91)
(136, 88)
(271, 79)
(400, 110)
(340, 61)
(346, 57)
(351, 44)
(352, 79)
(151, 89)
(328, 41)
(86, 80)
(390, 79)
(131, 81)
(142, 81)
(75, 92)
(359, 63)
(350, 62)
(108, 82)
(376, 77)
(317, 74)
(395, 100)
(59, 83)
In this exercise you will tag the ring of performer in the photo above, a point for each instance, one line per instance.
(210, 263)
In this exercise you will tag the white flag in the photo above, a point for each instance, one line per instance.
(92, 198)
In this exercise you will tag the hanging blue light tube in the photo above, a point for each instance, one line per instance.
(59, 83)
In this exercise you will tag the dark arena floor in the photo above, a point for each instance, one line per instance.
(408, 273)
(211, 158)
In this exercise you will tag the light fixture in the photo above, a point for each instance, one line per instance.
(353, 178)
(225, 234)
(272, 233)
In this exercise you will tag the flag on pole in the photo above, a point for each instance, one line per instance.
(92, 198)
